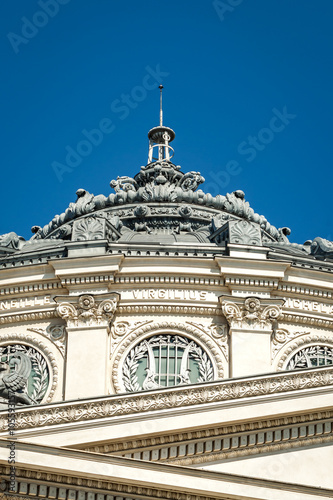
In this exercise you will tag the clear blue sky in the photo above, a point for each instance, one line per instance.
(227, 73)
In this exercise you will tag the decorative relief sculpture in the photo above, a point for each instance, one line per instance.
(163, 361)
(217, 332)
(88, 229)
(311, 356)
(251, 313)
(122, 329)
(244, 232)
(295, 353)
(166, 329)
(322, 248)
(24, 374)
(56, 333)
(10, 243)
(281, 337)
(87, 310)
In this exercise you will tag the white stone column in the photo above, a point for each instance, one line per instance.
(251, 323)
(88, 318)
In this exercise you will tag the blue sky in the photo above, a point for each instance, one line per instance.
(247, 89)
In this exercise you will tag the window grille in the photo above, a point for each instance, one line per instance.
(311, 356)
(165, 361)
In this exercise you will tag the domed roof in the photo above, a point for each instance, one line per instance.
(162, 205)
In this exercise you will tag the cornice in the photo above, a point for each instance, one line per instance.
(261, 269)
(204, 434)
(180, 397)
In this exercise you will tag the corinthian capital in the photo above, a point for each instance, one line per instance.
(252, 312)
(87, 310)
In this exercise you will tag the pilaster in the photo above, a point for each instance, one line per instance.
(88, 318)
(251, 321)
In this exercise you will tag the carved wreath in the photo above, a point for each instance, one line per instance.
(40, 372)
(131, 362)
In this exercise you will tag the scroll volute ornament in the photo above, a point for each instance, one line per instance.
(87, 310)
(252, 312)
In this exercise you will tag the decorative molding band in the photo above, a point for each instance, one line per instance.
(208, 311)
(252, 451)
(32, 316)
(249, 427)
(233, 445)
(305, 290)
(306, 320)
(241, 281)
(30, 288)
(57, 487)
(167, 399)
(83, 280)
(169, 279)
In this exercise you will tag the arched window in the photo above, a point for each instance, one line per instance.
(311, 356)
(165, 361)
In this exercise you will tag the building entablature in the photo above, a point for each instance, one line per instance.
(52, 472)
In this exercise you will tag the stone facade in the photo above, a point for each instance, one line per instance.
(165, 327)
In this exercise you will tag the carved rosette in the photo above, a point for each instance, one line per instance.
(87, 310)
(251, 313)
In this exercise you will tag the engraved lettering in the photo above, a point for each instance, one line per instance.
(172, 294)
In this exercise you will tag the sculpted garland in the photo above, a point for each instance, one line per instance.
(180, 397)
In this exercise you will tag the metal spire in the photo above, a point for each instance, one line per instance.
(161, 110)
(159, 139)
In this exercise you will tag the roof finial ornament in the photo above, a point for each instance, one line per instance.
(161, 108)
(159, 138)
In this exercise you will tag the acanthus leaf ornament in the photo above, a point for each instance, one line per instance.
(87, 310)
(252, 312)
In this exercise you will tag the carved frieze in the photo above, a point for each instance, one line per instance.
(218, 392)
(87, 310)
